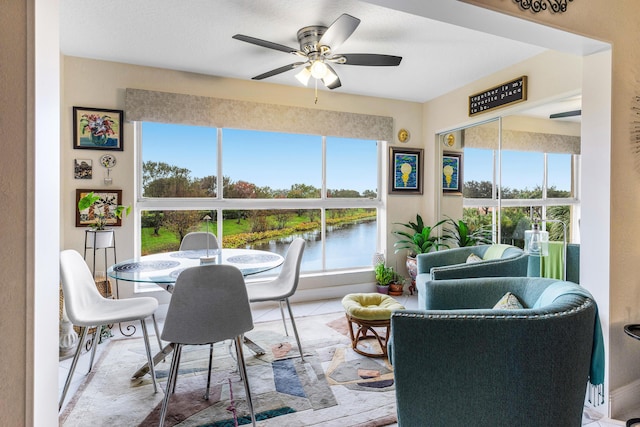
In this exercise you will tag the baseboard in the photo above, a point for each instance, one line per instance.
(624, 399)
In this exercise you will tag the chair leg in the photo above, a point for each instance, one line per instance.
(76, 356)
(155, 326)
(175, 380)
(295, 330)
(173, 373)
(284, 320)
(206, 395)
(96, 336)
(152, 369)
(245, 379)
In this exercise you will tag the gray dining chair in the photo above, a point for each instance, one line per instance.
(86, 308)
(283, 286)
(199, 240)
(209, 304)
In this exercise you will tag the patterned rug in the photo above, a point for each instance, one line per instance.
(333, 387)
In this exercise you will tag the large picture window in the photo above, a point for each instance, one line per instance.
(275, 187)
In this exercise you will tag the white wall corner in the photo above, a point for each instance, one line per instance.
(624, 399)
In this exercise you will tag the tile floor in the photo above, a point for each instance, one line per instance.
(265, 312)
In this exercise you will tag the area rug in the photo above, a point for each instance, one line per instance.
(334, 386)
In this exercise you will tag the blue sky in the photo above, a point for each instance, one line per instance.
(264, 158)
(520, 169)
(280, 160)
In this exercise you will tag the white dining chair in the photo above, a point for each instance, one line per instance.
(283, 286)
(86, 308)
(209, 304)
(199, 240)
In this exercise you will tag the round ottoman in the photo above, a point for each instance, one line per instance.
(367, 312)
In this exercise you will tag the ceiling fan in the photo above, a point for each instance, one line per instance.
(317, 45)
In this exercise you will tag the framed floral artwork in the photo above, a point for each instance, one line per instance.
(452, 173)
(97, 129)
(405, 171)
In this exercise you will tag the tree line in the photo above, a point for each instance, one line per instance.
(160, 179)
(515, 220)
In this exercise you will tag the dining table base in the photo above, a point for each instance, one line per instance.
(168, 349)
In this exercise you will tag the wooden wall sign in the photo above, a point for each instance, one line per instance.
(500, 96)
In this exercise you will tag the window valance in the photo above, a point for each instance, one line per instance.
(165, 107)
(487, 137)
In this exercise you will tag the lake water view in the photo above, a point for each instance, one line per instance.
(347, 245)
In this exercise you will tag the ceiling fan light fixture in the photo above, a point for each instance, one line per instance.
(319, 69)
(304, 75)
(329, 78)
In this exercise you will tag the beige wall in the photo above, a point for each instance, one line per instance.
(29, 180)
(14, 106)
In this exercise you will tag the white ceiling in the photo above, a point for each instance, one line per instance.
(195, 36)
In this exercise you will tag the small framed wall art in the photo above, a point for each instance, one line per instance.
(405, 171)
(105, 207)
(97, 129)
(452, 173)
(82, 168)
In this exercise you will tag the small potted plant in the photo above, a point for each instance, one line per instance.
(396, 287)
(384, 277)
(101, 212)
(418, 240)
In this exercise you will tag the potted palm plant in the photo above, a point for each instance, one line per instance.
(101, 212)
(462, 234)
(417, 240)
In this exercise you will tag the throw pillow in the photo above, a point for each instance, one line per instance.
(508, 302)
(473, 258)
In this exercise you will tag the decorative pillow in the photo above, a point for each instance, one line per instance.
(473, 258)
(508, 302)
(496, 251)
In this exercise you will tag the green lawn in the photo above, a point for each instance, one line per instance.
(238, 232)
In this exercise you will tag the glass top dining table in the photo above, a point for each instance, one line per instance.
(163, 268)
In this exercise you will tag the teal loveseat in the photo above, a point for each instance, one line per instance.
(460, 362)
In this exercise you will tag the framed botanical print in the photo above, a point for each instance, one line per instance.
(103, 210)
(405, 170)
(452, 173)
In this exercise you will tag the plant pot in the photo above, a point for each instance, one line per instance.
(382, 289)
(396, 289)
(99, 239)
(412, 269)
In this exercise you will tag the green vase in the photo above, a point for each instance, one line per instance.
(99, 139)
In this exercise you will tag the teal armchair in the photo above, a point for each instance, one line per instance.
(496, 261)
(462, 363)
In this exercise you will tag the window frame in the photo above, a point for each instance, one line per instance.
(219, 204)
(498, 203)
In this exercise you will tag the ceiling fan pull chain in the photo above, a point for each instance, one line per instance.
(316, 101)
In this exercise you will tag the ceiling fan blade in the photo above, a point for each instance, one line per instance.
(566, 114)
(331, 80)
(339, 31)
(370, 59)
(264, 43)
(278, 71)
